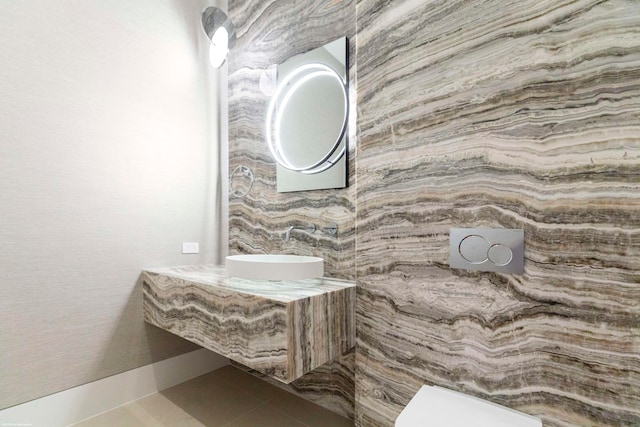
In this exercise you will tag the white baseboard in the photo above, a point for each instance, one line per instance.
(88, 400)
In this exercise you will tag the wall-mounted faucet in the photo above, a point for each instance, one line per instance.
(331, 229)
(309, 228)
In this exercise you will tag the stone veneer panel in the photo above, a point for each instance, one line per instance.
(270, 32)
(331, 385)
(283, 329)
(517, 114)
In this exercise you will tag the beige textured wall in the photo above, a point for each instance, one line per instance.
(108, 161)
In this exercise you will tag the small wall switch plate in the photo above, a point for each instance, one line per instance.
(190, 247)
(487, 249)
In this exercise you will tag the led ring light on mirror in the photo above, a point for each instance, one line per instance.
(292, 83)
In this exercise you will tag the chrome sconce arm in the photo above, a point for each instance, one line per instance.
(221, 32)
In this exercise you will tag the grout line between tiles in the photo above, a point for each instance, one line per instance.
(290, 416)
(261, 406)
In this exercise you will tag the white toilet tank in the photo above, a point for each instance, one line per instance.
(434, 406)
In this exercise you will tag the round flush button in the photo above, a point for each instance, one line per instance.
(474, 249)
(500, 254)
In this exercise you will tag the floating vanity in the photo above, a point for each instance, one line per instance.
(283, 329)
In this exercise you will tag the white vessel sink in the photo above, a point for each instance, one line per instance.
(274, 267)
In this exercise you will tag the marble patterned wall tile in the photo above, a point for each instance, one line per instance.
(331, 385)
(515, 114)
(270, 32)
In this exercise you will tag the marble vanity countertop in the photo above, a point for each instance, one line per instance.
(282, 329)
(278, 290)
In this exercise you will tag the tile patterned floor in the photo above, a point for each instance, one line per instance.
(227, 397)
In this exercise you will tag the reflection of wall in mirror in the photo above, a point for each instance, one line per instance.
(309, 132)
(314, 114)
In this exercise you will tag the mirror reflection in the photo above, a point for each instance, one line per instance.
(306, 124)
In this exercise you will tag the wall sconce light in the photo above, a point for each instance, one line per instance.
(222, 33)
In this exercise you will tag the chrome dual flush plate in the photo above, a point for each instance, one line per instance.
(487, 249)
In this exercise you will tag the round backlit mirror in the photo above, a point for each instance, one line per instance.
(307, 119)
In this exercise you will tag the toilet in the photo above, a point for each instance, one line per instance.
(434, 406)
